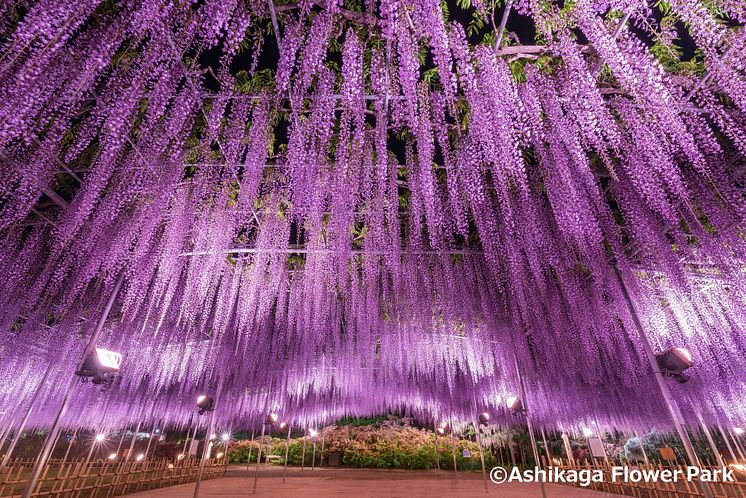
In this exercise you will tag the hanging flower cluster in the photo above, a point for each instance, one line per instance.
(391, 215)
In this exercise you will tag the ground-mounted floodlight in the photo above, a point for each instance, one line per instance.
(673, 362)
(484, 418)
(113, 456)
(219, 455)
(140, 457)
(515, 405)
(272, 418)
(205, 404)
(101, 366)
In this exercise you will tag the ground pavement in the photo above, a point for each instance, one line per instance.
(361, 483)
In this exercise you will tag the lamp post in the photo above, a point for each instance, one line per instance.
(313, 456)
(478, 431)
(287, 451)
(271, 419)
(673, 408)
(714, 449)
(46, 450)
(210, 429)
(303, 458)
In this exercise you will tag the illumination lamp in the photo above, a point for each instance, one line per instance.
(484, 418)
(738, 431)
(313, 432)
(515, 405)
(673, 362)
(205, 404)
(100, 437)
(101, 366)
(272, 418)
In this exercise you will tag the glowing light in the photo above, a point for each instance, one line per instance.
(219, 455)
(273, 417)
(213, 436)
(201, 398)
(283, 425)
(587, 432)
(313, 432)
(511, 401)
(140, 457)
(100, 437)
(685, 353)
(113, 456)
(109, 359)
(440, 430)
(170, 466)
(180, 456)
(225, 437)
(738, 431)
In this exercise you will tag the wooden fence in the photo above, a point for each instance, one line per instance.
(682, 488)
(103, 479)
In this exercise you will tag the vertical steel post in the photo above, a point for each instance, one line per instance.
(673, 408)
(303, 458)
(51, 439)
(478, 431)
(287, 451)
(711, 441)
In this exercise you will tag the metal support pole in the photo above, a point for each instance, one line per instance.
(673, 408)
(259, 456)
(738, 444)
(546, 447)
(186, 441)
(150, 441)
(51, 439)
(25, 418)
(453, 447)
(528, 421)
(642, 448)
(313, 457)
(251, 447)
(714, 448)
(727, 443)
(210, 429)
(437, 452)
(478, 431)
(287, 451)
(321, 453)
(131, 449)
(303, 458)
(121, 441)
(69, 446)
(568, 449)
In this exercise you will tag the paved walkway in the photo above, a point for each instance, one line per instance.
(361, 483)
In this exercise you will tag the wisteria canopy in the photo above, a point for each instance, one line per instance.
(328, 208)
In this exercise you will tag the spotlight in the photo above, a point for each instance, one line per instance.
(587, 432)
(484, 417)
(205, 404)
(673, 362)
(100, 437)
(440, 431)
(225, 437)
(272, 418)
(219, 455)
(283, 426)
(515, 405)
(313, 432)
(113, 456)
(180, 456)
(140, 457)
(101, 365)
(738, 431)
(170, 466)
